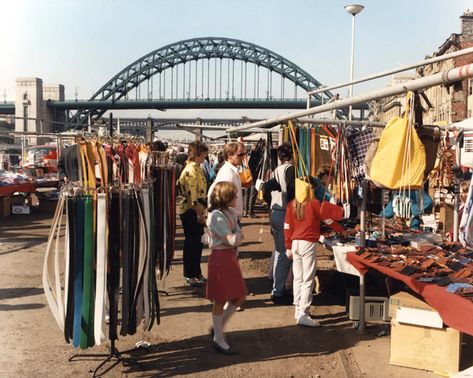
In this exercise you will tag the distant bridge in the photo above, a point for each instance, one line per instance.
(199, 73)
(203, 73)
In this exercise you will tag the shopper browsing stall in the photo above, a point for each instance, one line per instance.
(279, 190)
(301, 232)
(233, 153)
(225, 286)
(191, 209)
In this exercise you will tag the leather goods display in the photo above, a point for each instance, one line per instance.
(358, 142)
(246, 177)
(117, 237)
(400, 158)
(267, 163)
(303, 189)
(369, 156)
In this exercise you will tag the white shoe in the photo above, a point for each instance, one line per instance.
(297, 313)
(305, 320)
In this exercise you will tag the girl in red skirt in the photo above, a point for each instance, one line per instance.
(225, 285)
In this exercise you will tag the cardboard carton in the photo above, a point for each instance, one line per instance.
(5, 206)
(425, 348)
(403, 299)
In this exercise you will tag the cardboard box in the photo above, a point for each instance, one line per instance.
(425, 348)
(5, 206)
(20, 209)
(403, 299)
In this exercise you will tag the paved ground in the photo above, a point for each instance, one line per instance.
(268, 341)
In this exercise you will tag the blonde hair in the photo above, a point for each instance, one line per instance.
(299, 209)
(231, 148)
(223, 194)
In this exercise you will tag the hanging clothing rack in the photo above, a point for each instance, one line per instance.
(120, 228)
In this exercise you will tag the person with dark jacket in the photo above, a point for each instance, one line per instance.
(181, 157)
(68, 164)
(278, 192)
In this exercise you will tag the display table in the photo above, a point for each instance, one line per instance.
(455, 310)
(26, 187)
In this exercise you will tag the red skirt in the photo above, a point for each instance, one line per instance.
(224, 280)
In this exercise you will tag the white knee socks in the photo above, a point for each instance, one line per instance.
(228, 311)
(218, 331)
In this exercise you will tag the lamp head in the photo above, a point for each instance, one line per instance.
(354, 9)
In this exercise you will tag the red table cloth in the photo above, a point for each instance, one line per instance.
(10, 189)
(455, 310)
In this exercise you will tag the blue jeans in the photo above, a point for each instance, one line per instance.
(281, 263)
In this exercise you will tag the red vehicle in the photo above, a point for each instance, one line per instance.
(40, 160)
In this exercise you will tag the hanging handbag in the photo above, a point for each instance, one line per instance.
(303, 188)
(245, 175)
(330, 210)
(400, 158)
(402, 206)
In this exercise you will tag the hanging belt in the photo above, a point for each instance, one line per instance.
(141, 255)
(51, 263)
(113, 281)
(152, 261)
(69, 280)
(78, 272)
(101, 282)
(146, 275)
(126, 231)
(87, 329)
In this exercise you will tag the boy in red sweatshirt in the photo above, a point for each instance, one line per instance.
(301, 232)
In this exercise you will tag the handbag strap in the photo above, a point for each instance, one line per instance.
(299, 155)
(330, 170)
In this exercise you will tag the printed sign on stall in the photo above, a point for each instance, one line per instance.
(467, 150)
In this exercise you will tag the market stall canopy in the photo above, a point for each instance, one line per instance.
(466, 124)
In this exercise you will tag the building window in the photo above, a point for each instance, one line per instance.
(470, 87)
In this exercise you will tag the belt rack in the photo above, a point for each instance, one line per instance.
(114, 354)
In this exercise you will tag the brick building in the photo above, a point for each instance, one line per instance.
(448, 104)
(453, 103)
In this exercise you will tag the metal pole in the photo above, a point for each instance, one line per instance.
(352, 65)
(456, 192)
(362, 325)
(395, 70)
(333, 121)
(444, 77)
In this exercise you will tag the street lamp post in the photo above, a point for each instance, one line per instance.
(353, 9)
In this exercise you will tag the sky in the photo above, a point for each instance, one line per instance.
(84, 43)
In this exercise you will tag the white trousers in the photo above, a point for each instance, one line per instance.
(303, 267)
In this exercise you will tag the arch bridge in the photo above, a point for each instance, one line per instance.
(202, 73)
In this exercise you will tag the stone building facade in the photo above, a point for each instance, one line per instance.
(455, 102)
(30, 106)
(447, 104)
(393, 106)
